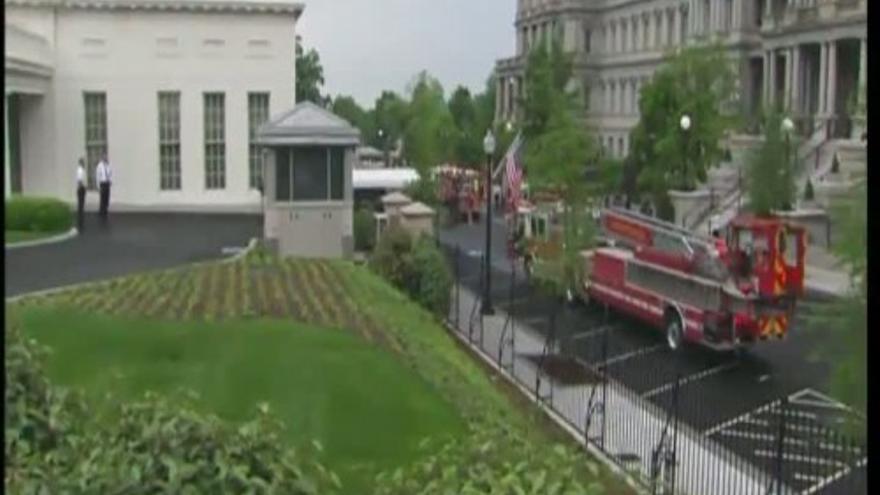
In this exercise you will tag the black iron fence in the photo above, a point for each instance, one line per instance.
(658, 415)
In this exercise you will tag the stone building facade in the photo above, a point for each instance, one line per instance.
(810, 53)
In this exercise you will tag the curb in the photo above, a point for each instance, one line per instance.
(64, 288)
(70, 234)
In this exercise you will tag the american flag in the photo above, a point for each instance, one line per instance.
(513, 172)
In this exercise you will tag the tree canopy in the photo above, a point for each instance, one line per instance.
(846, 318)
(770, 170)
(430, 129)
(309, 75)
(698, 82)
(548, 73)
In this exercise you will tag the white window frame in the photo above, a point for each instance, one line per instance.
(169, 141)
(95, 115)
(215, 139)
(258, 114)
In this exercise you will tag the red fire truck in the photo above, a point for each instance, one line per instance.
(461, 190)
(723, 295)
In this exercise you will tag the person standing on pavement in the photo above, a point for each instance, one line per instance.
(80, 194)
(104, 177)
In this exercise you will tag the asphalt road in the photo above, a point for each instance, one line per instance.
(132, 242)
(723, 395)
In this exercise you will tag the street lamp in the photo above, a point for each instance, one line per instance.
(685, 124)
(787, 128)
(384, 147)
(489, 149)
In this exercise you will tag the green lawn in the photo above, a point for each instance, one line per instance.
(366, 408)
(340, 355)
(14, 236)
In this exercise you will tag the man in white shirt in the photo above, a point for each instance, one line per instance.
(80, 194)
(104, 178)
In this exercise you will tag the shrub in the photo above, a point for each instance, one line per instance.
(435, 279)
(52, 444)
(33, 214)
(393, 259)
(364, 229)
(494, 461)
(418, 268)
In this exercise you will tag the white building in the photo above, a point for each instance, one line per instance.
(171, 90)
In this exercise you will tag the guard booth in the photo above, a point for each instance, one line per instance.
(309, 155)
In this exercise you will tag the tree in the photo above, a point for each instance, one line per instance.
(548, 73)
(391, 114)
(429, 127)
(770, 171)
(556, 161)
(698, 82)
(844, 322)
(347, 108)
(468, 149)
(309, 74)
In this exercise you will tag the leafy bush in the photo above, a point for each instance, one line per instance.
(494, 461)
(417, 268)
(52, 444)
(33, 214)
(393, 259)
(435, 279)
(364, 229)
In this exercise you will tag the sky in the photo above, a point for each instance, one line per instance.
(367, 46)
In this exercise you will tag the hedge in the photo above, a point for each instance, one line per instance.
(34, 214)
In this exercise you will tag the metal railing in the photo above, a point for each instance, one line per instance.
(638, 408)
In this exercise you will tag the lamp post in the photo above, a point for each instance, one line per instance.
(685, 124)
(489, 149)
(384, 147)
(787, 128)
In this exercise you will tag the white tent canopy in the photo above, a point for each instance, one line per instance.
(383, 178)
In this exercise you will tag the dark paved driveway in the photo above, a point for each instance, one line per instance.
(133, 242)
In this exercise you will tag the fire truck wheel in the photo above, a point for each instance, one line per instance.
(673, 331)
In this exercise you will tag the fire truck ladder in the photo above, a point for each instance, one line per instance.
(674, 236)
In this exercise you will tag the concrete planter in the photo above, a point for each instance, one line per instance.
(686, 202)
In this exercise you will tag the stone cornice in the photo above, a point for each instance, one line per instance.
(239, 6)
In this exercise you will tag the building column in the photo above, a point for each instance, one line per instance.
(773, 69)
(7, 174)
(863, 68)
(823, 78)
(736, 20)
(795, 84)
(831, 95)
(788, 79)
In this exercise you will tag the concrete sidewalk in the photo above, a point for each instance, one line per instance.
(634, 426)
